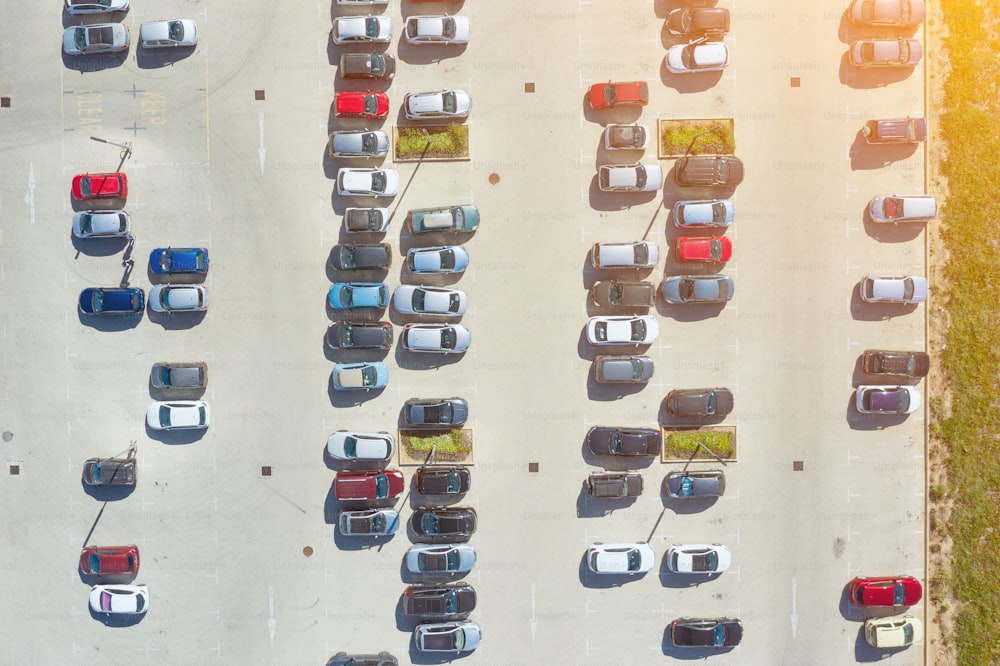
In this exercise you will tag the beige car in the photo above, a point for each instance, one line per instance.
(893, 632)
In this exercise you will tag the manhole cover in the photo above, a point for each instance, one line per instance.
(795, 82)
(307, 551)
(798, 465)
(5, 102)
(258, 95)
(265, 470)
(532, 467)
(494, 178)
(7, 435)
(14, 468)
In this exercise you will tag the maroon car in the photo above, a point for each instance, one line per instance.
(368, 484)
(885, 591)
(110, 560)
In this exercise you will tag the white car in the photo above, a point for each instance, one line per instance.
(903, 208)
(95, 38)
(367, 182)
(359, 143)
(437, 260)
(429, 558)
(626, 137)
(168, 33)
(698, 558)
(893, 632)
(102, 224)
(437, 29)
(698, 56)
(622, 330)
(703, 213)
(629, 177)
(637, 254)
(178, 415)
(368, 522)
(352, 29)
(78, 7)
(620, 558)
(904, 289)
(460, 636)
(435, 338)
(119, 599)
(445, 301)
(178, 298)
(437, 104)
(369, 446)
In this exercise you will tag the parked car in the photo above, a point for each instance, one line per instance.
(427, 300)
(437, 29)
(637, 254)
(437, 260)
(888, 13)
(368, 522)
(375, 256)
(369, 485)
(112, 301)
(906, 289)
(704, 213)
(614, 485)
(698, 21)
(360, 446)
(106, 472)
(443, 219)
(626, 137)
(178, 298)
(903, 208)
(367, 182)
(358, 295)
(174, 378)
(95, 39)
(367, 66)
(623, 294)
(897, 130)
(614, 441)
(425, 558)
(178, 415)
(609, 95)
(360, 3)
(178, 261)
(366, 220)
(893, 632)
(382, 658)
(368, 105)
(697, 289)
(629, 178)
(709, 171)
(443, 480)
(437, 105)
(891, 591)
(900, 52)
(620, 558)
(168, 34)
(359, 335)
(721, 632)
(700, 402)
(435, 412)
(353, 29)
(364, 376)
(119, 599)
(622, 330)
(698, 558)
(696, 484)
(439, 601)
(440, 338)
(87, 186)
(109, 560)
(698, 56)
(452, 524)
(359, 143)
(102, 224)
(887, 399)
(895, 363)
(447, 637)
(85, 7)
(623, 369)
(710, 249)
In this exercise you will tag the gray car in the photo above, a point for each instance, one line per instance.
(623, 369)
(176, 378)
(614, 485)
(377, 256)
(361, 143)
(366, 220)
(612, 441)
(359, 335)
(380, 659)
(694, 484)
(700, 402)
(691, 289)
(435, 412)
(709, 171)
(109, 472)
(95, 39)
(453, 524)
(367, 66)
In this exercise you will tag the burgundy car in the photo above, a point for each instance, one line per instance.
(885, 591)
(110, 560)
(368, 484)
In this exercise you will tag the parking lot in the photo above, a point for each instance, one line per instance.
(229, 152)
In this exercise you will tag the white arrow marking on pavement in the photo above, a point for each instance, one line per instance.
(795, 616)
(29, 198)
(262, 149)
(271, 622)
(531, 620)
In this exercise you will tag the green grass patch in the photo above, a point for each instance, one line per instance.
(681, 444)
(710, 137)
(452, 445)
(441, 142)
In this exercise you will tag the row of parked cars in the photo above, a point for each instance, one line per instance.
(103, 38)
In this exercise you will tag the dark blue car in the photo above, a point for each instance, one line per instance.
(172, 260)
(112, 301)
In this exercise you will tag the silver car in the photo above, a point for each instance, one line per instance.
(436, 105)
(692, 289)
(368, 522)
(422, 299)
(435, 338)
(168, 34)
(102, 224)
(905, 289)
(95, 38)
(623, 369)
(176, 378)
(361, 143)
(84, 7)
(704, 213)
(441, 259)
(903, 208)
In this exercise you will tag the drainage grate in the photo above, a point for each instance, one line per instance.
(265, 470)
(529, 87)
(5, 102)
(798, 465)
(532, 467)
(795, 82)
(258, 95)
(14, 468)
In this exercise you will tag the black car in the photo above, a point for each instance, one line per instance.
(614, 485)
(610, 441)
(696, 21)
(709, 171)
(896, 363)
(696, 484)
(700, 402)
(435, 412)
(112, 301)
(451, 524)
(367, 66)
(109, 472)
(376, 256)
(720, 632)
(443, 480)
(380, 659)
(359, 335)
(439, 601)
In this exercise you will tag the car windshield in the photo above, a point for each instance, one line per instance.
(347, 256)
(430, 523)
(615, 442)
(907, 633)
(454, 483)
(640, 177)
(710, 402)
(86, 223)
(715, 250)
(381, 486)
(371, 104)
(368, 376)
(890, 206)
(720, 635)
(368, 142)
(687, 486)
(448, 338)
(904, 51)
(350, 447)
(615, 293)
(601, 331)
(687, 56)
(164, 416)
(378, 523)
(458, 638)
(418, 299)
(634, 559)
(448, 27)
(904, 400)
(907, 289)
(448, 103)
(347, 296)
(371, 27)
(378, 181)
(447, 258)
(610, 94)
(706, 561)
(641, 253)
(867, 52)
(94, 563)
(451, 559)
(638, 330)
(346, 335)
(450, 600)
(899, 594)
(459, 216)
(176, 31)
(377, 64)
(454, 302)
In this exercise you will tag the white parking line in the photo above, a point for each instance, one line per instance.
(850, 494)
(851, 532)
(850, 457)
(73, 502)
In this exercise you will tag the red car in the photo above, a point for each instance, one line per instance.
(368, 484)
(885, 591)
(703, 248)
(361, 104)
(100, 186)
(109, 560)
(609, 95)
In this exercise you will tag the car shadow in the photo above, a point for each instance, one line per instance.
(623, 115)
(109, 323)
(98, 247)
(866, 155)
(158, 58)
(91, 205)
(858, 421)
(616, 201)
(689, 311)
(107, 493)
(426, 54)
(595, 507)
(606, 392)
(177, 437)
(686, 84)
(887, 232)
(864, 311)
(177, 321)
(116, 620)
(94, 63)
(875, 77)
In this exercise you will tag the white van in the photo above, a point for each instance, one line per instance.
(903, 208)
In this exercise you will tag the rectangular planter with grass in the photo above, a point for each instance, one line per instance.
(711, 136)
(450, 447)
(431, 143)
(680, 443)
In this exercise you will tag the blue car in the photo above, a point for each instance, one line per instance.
(355, 295)
(112, 301)
(173, 260)
(364, 376)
